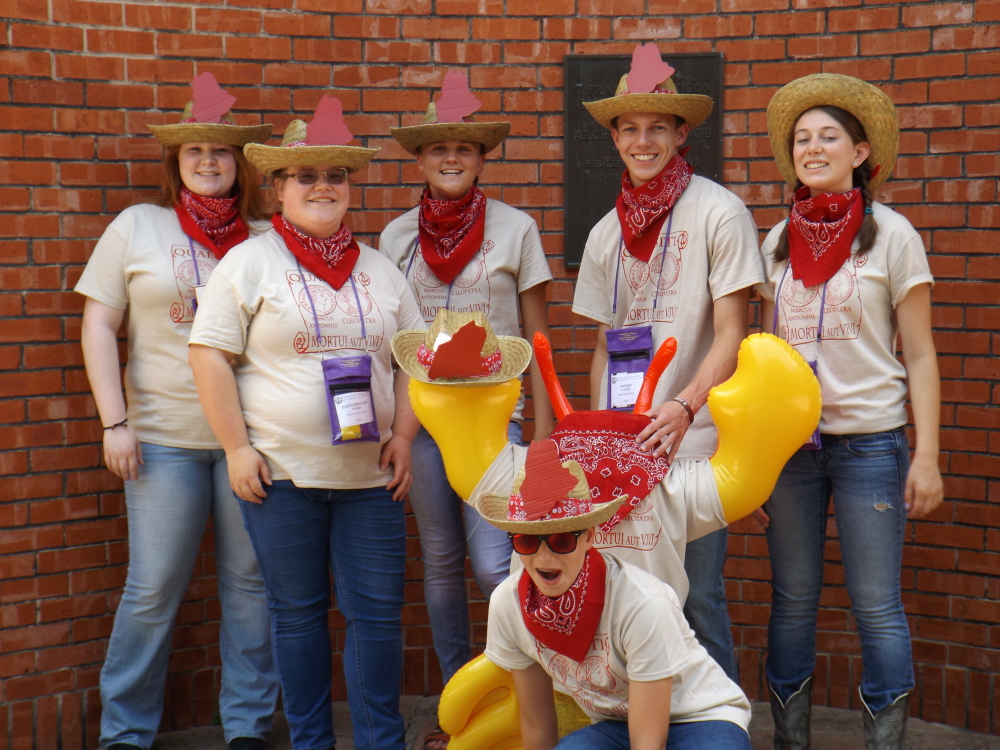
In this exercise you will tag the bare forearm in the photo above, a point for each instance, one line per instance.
(404, 421)
(219, 397)
(539, 728)
(100, 357)
(925, 396)
(649, 713)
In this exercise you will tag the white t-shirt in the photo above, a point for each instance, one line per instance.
(642, 636)
(146, 263)
(509, 261)
(683, 507)
(863, 384)
(256, 307)
(711, 253)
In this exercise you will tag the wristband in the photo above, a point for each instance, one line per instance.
(117, 424)
(687, 407)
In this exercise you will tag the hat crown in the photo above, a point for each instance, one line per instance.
(547, 488)
(666, 86)
(450, 323)
(188, 118)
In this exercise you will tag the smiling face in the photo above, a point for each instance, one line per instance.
(316, 210)
(647, 141)
(207, 169)
(824, 154)
(450, 168)
(553, 574)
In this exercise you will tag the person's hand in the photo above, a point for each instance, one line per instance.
(665, 433)
(397, 452)
(924, 488)
(248, 473)
(122, 452)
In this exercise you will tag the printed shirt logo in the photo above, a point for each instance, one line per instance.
(798, 312)
(470, 291)
(663, 269)
(187, 278)
(592, 682)
(337, 313)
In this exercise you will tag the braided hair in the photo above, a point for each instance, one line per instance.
(860, 179)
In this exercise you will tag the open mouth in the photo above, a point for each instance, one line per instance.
(815, 164)
(549, 576)
(644, 157)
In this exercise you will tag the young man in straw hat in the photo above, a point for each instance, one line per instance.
(608, 634)
(676, 258)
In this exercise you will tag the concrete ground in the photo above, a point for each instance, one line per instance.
(833, 729)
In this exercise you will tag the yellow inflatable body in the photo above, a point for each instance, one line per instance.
(764, 413)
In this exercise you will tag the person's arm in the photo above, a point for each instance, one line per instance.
(396, 450)
(649, 713)
(534, 318)
(670, 419)
(99, 339)
(220, 400)
(539, 729)
(767, 316)
(924, 489)
(598, 364)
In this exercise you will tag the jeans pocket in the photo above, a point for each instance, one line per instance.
(873, 444)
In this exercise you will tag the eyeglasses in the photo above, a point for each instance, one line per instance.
(307, 177)
(562, 543)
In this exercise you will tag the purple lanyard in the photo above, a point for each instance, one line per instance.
(416, 246)
(197, 273)
(822, 308)
(312, 305)
(659, 276)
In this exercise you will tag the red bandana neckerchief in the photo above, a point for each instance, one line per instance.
(642, 210)
(332, 259)
(212, 222)
(567, 623)
(451, 232)
(821, 231)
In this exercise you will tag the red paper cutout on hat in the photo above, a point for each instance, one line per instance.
(456, 102)
(327, 127)
(874, 174)
(546, 481)
(648, 69)
(462, 356)
(209, 101)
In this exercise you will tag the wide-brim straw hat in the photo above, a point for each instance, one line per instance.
(692, 108)
(869, 104)
(294, 153)
(226, 131)
(414, 137)
(494, 509)
(515, 353)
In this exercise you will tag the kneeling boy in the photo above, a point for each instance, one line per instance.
(606, 633)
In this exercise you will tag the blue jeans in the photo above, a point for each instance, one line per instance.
(694, 735)
(168, 509)
(300, 535)
(443, 538)
(866, 475)
(706, 609)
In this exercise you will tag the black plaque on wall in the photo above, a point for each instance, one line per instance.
(592, 169)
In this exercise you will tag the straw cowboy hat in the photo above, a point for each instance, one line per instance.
(874, 110)
(648, 87)
(321, 142)
(549, 496)
(460, 348)
(207, 119)
(447, 120)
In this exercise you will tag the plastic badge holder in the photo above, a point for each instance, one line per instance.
(629, 353)
(348, 383)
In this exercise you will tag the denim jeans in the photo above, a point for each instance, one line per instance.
(443, 538)
(168, 509)
(866, 475)
(694, 735)
(300, 535)
(706, 609)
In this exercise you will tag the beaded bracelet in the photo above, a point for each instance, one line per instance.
(687, 407)
(117, 424)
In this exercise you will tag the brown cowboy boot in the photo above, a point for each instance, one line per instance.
(886, 729)
(791, 718)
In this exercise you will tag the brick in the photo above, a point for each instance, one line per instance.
(718, 26)
(90, 67)
(196, 45)
(975, 37)
(435, 28)
(896, 43)
(397, 52)
(930, 66)
(753, 49)
(320, 50)
(297, 24)
(790, 24)
(168, 18)
(938, 14)
(130, 41)
(744, 6)
(868, 19)
(46, 37)
(160, 71)
(646, 28)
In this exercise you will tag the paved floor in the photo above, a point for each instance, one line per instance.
(833, 729)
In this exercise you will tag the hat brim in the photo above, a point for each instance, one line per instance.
(494, 509)
(873, 108)
(692, 108)
(412, 138)
(270, 159)
(515, 355)
(202, 132)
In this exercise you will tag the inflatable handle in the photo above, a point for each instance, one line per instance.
(557, 397)
(662, 358)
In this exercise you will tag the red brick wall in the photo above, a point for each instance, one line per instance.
(79, 82)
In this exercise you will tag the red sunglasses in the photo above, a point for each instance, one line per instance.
(562, 543)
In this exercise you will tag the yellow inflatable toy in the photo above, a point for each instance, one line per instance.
(764, 413)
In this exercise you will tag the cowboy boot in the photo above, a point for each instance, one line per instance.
(791, 718)
(886, 729)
